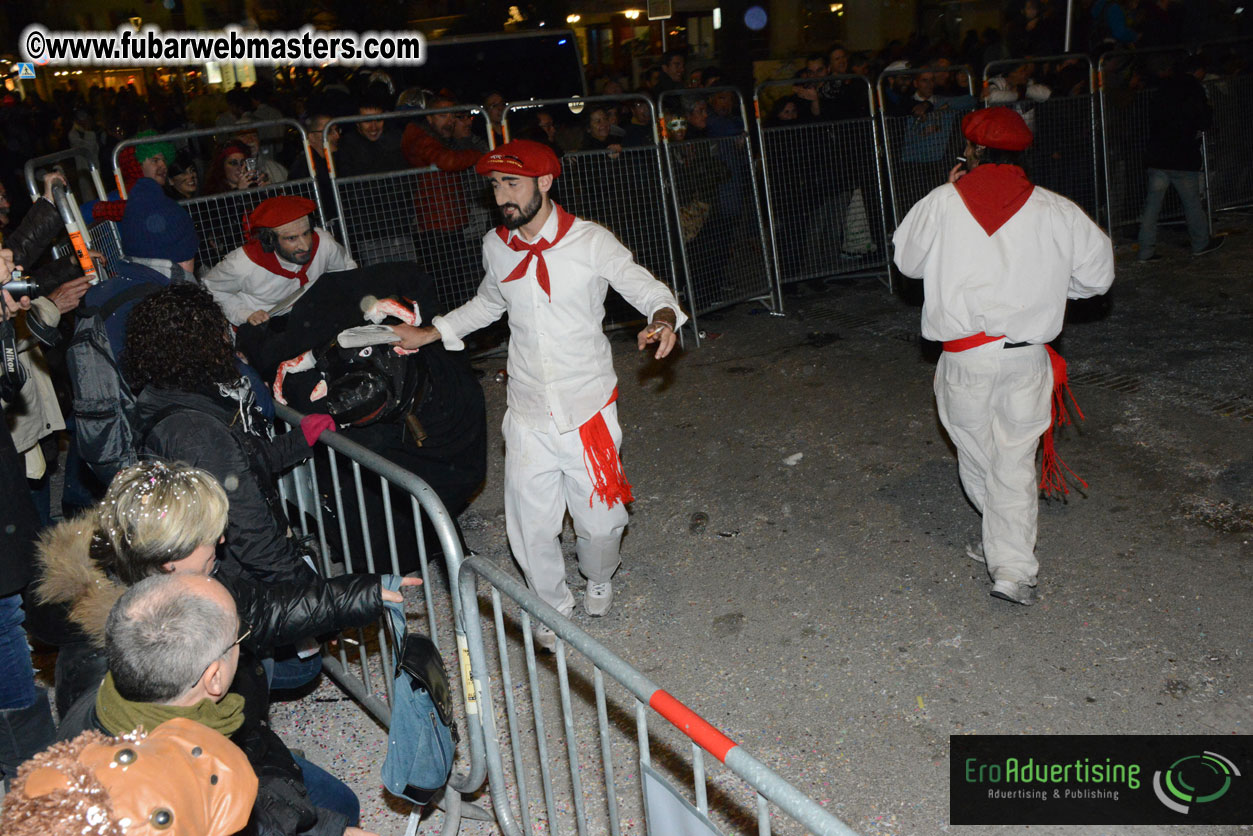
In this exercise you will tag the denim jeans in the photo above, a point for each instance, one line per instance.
(291, 671)
(325, 790)
(1188, 185)
(17, 674)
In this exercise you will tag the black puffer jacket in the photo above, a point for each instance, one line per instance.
(74, 598)
(207, 431)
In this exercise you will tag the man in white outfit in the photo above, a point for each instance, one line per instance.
(550, 272)
(284, 253)
(998, 258)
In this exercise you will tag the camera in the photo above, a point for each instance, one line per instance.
(250, 165)
(21, 286)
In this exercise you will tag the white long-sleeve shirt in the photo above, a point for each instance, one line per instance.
(242, 287)
(560, 362)
(1014, 282)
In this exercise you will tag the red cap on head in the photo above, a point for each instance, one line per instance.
(522, 157)
(276, 211)
(997, 127)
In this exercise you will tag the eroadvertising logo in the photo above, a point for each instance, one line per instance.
(1212, 773)
(1100, 779)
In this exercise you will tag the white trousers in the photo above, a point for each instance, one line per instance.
(544, 477)
(995, 404)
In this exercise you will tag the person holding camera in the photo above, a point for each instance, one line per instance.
(285, 253)
(25, 713)
(234, 168)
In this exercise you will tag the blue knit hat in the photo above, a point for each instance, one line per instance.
(154, 226)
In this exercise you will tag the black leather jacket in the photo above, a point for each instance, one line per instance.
(38, 229)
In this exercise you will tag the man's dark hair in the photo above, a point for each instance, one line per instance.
(178, 338)
(999, 156)
(239, 98)
(377, 96)
(160, 638)
(670, 54)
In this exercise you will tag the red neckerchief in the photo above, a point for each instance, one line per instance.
(564, 221)
(269, 261)
(994, 193)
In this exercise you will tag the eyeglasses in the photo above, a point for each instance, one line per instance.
(247, 631)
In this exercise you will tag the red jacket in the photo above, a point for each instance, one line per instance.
(438, 196)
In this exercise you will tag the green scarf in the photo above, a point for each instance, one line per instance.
(119, 715)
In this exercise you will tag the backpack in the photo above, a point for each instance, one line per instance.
(422, 735)
(104, 406)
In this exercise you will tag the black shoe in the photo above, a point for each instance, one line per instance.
(1153, 259)
(1214, 243)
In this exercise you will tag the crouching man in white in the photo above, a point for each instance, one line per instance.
(550, 272)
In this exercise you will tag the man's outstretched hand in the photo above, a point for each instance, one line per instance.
(394, 595)
(661, 331)
(413, 337)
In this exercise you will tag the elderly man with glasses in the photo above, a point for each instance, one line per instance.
(174, 644)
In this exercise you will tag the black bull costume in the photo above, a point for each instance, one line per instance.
(438, 430)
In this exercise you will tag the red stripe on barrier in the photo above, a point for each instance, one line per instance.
(691, 724)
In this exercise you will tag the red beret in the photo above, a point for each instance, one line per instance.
(997, 127)
(522, 157)
(284, 209)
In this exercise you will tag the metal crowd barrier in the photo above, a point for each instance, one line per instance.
(588, 768)
(1230, 137)
(331, 502)
(1063, 157)
(76, 164)
(436, 218)
(335, 499)
(920, 149)
(823, 185)
(81, 169)
(1125, 105)
(219, 218)
(714, 194)
(623, 192)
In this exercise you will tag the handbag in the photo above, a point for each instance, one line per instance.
(422, 738)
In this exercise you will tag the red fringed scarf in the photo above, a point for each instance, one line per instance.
(1053, 477)
(600, 456)
(269, 261)
(994, 193)
(564, 221)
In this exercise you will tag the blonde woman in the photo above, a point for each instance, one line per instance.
(169, 517)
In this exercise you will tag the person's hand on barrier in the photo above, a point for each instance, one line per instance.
(413, 337)
(67, 296)
(314, 425)
(51, 179)
(394, 595)
(614, 150)
(356, 831)
(662, 331)
(257, 317)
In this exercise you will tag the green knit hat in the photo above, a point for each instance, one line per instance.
(143, 152)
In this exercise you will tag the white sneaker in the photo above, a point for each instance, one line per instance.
(974, 551)
(1017, 592)
(598, 598)
(544, 638)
